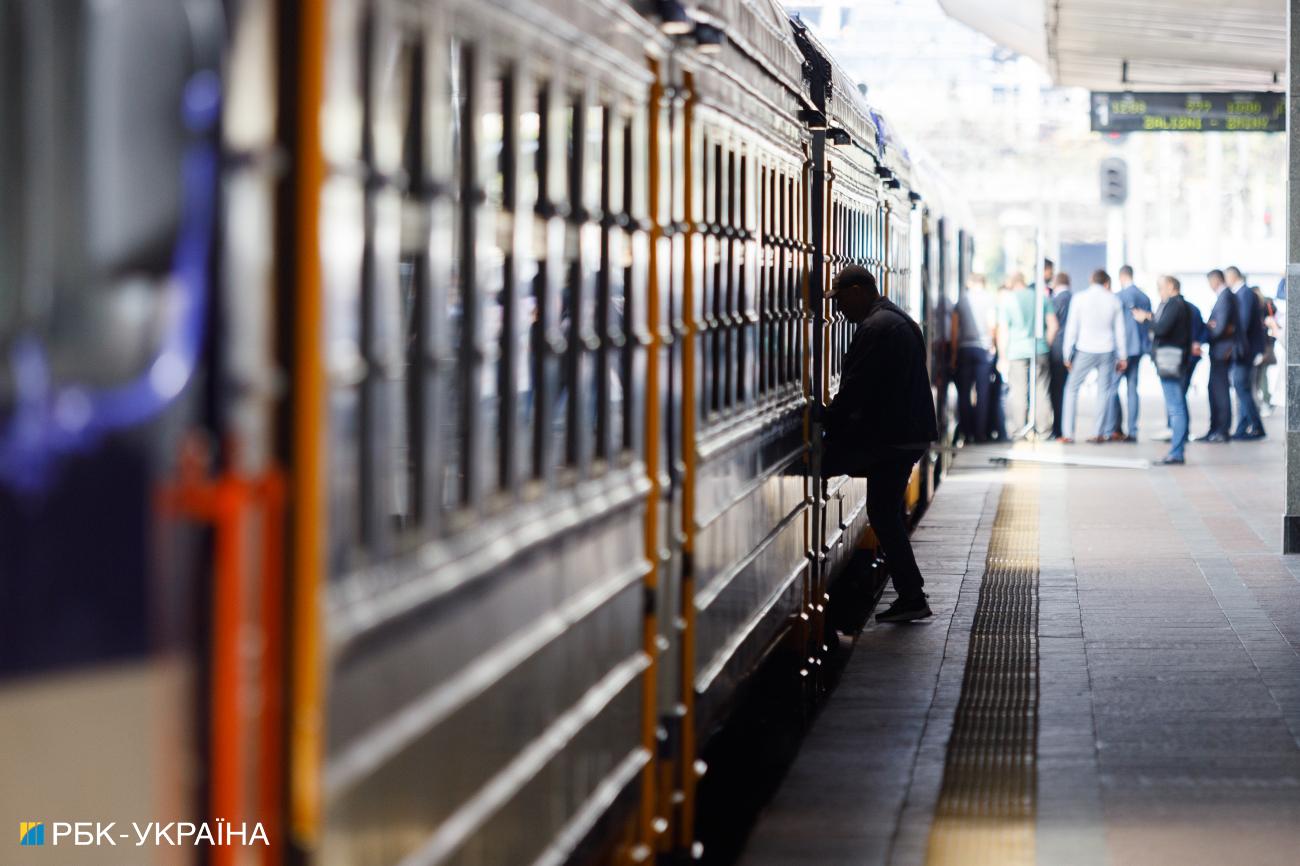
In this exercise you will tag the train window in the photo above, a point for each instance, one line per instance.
(783, 253)
(726, 301)
(714, 246)
(763, 348)
(588, 339)
(577, 401)
(412, 220)
(452, 435)
(708, 358)
(742, 245)
(792, 296)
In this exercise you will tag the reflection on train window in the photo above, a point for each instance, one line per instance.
(611, 296)
(390, 291)
(405, 394)
(542, 294)
(565, 448)
(490, 282)
(527, 126)
(627, 314)
(452, 412)
(584, 406)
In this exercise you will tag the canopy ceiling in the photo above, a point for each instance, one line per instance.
(1141, 44)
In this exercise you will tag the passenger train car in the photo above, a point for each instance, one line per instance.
(410, 411)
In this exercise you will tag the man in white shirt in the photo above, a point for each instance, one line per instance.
(1095, 339)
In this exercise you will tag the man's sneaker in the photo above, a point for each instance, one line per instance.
(906, 610)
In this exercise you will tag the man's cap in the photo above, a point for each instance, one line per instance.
(853, 274)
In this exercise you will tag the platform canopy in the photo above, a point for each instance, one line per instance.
(1197, 45)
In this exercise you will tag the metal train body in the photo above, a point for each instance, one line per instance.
(497, 476)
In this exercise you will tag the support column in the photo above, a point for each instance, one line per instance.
(1291, 516)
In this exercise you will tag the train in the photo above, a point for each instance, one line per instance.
(410, 410)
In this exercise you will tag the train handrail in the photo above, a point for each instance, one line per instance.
(51, 422)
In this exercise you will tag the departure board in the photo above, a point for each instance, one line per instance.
(1262, 111)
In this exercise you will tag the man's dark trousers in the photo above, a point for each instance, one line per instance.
(1243, 382)
(1191, 368)
(974, 371)
(1220, 397)
(887, 475)
(1056, 388)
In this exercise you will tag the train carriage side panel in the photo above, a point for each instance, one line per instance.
(486, 613)
(749, 546)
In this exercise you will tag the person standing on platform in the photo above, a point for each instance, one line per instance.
(881, 422)
(1137, 329)
(1049, 274)
(977, 319)
(1272, 328)
(1017, 348)
(1094, 340)
(1221, 334)
(1247, 349)
(1061, 305)
(1171, 352)
(1200, 336)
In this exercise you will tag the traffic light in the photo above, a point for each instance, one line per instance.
(1114, 181)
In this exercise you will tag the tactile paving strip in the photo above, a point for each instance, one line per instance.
(985, 813)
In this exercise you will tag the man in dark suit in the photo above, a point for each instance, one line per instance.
(881, 422)
(1061, 303)
(1249, 346)
(1221, 329)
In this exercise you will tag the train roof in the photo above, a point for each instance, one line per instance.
(895, 154)
(845, 107)
(760, 30)
(938, 192)
(848, 110)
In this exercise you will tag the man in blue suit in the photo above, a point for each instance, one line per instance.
(1221, 334)
(1138, 334)
(1249, 346)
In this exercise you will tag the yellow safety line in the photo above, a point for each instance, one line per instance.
(987, 805)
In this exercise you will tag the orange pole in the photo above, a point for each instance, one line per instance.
(227, 684)
(306, 488)
(271, 757)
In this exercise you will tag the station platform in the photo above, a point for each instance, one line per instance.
(1111, 677)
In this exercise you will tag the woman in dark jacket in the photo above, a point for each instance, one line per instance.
(1172, 350)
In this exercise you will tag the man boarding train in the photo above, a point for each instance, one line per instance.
(881, 422)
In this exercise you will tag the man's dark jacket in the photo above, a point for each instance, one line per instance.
(1250, 327)
(1222, 326)
(884, 401)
